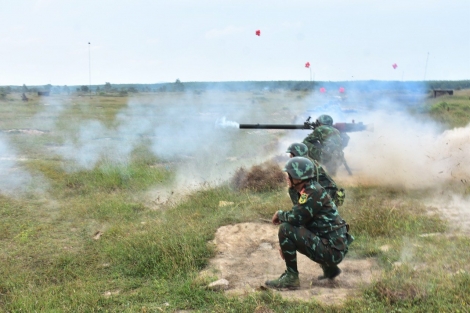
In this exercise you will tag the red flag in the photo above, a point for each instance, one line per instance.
(307, 65)
(394, 65)
(341, 89)
(322, 89)
(258, 33)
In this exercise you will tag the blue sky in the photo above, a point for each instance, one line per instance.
(46, 41)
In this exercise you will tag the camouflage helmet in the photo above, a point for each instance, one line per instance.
(297, 149)
(325, 119)
(300, 168)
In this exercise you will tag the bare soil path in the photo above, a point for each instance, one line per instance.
(247, 256)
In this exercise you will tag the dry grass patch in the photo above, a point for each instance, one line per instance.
(267, 176)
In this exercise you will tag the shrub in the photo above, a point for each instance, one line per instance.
(260, 178)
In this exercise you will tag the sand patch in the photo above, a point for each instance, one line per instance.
(247, 256)
(455, 209)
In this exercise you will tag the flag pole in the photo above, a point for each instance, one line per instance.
(89, 69)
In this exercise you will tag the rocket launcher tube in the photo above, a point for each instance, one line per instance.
(272, 126)
(342, 127)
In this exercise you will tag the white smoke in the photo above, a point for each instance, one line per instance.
(224, 123)
(199, 135)
(89, 146)
(13, 179)
(191, 131)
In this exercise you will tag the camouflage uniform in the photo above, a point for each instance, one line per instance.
(325, 145)
(313, 227)
(321, 176)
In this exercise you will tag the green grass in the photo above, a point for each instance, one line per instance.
(451, 111)
(147, 258)
(155, 262)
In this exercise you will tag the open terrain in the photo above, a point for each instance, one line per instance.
(124, 204)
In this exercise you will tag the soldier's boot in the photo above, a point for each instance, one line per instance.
(329, 271)
(288, 280)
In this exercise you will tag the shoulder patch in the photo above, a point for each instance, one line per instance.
(303, 198)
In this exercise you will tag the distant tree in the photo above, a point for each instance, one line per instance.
(98, 89)
(8, 89)
(66, 89)
(78, 88)
(55, 90)
(178, 85)
(132, 89)
(48, 87)
(25, 89)
(84, 88)
(107, 87)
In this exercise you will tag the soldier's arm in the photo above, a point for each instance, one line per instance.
(313, 139)
(294, 195)
(301, 214)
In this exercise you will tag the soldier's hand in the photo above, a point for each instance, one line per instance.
(275, 219)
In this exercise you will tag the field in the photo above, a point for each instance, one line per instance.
(116, 204)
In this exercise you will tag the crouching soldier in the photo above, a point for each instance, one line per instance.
(313, 227)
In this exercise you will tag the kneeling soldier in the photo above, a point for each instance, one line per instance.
(313, 227)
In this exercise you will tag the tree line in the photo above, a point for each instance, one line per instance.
(178, 86)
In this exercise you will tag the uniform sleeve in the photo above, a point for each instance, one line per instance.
(294, 195)
(313, 143)
(313, 137)
(301, 214)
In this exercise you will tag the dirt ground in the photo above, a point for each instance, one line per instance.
(455, 208)
(247, 256)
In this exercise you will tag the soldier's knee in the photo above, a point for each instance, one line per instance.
(285, 228)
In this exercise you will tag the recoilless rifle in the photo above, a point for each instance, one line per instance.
(342, 127)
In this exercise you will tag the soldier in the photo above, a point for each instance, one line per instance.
(313, 227)
(325, 144)
(320, 176)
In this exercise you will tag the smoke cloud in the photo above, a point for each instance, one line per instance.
(223, 123)
(195, 133)
(13, 179)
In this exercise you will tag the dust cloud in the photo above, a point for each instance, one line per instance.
(402, 151)
(456, 209)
